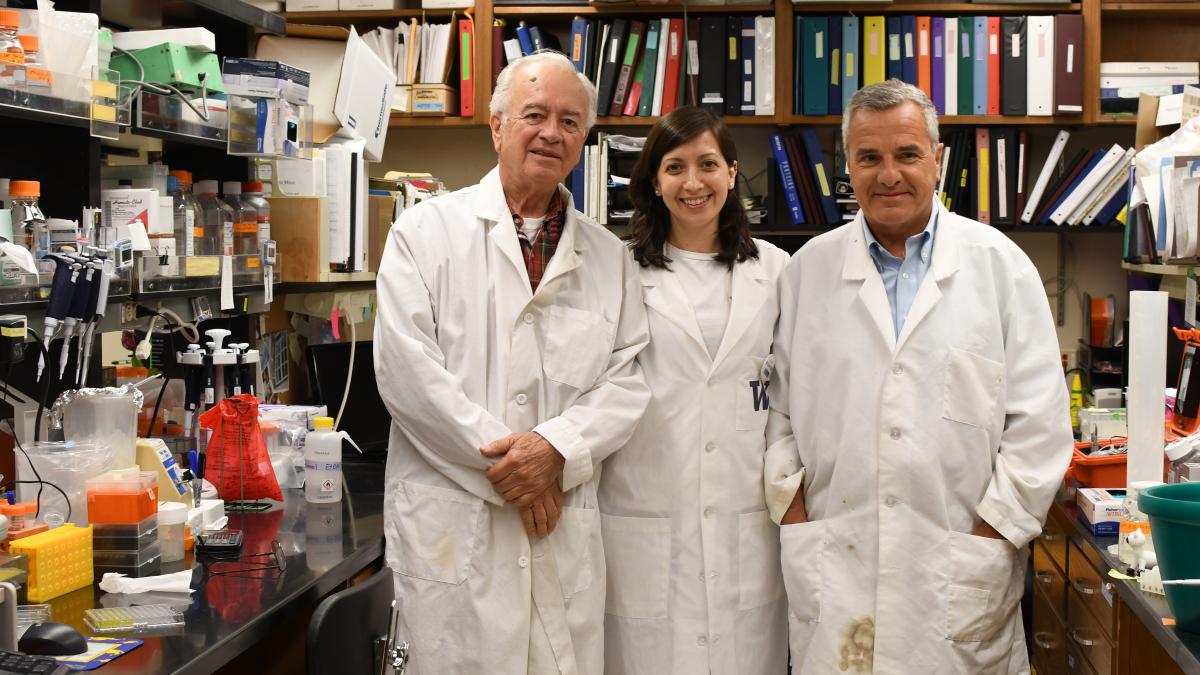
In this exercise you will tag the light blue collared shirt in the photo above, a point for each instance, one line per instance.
(903, 276)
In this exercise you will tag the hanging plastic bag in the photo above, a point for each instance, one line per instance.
(238, 463)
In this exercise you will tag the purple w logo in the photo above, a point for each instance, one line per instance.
(758, 390)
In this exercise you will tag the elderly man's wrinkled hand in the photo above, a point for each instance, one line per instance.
(528, 466)
(541, 517)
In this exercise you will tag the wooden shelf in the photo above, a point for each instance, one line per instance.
(363, 16)
(606, 9)
(397, 121)
(939, 8)
(952, 120)
(1154, 10)
(1160, 270)
(1117, 120)
(729, 120)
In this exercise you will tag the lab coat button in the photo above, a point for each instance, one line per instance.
(528, 318)
(905, 275)
(523, 562)
(895, 434)
(890, 501)
(897, 369)
(708, 511)
(522, 399)
(712, 575)
(710, 447)
(716, 637)
(702, 641)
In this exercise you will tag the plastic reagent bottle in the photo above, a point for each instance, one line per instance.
(245, 219)
(187, 240)
(252, 191)
(323, 462)
(216, 221)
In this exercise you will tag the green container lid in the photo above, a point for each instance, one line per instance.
(1174, 512)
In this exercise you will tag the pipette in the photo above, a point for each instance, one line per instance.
(101, 294)
(77, 311)
(62, 288)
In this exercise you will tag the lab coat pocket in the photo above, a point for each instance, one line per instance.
(637, 552)
(985, 585)
(971, 389)
(760, 581)
(438, 530)
(801, 549)
(751, 404)
(571, 542)
(578, 345)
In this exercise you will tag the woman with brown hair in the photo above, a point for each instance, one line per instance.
(694, 584)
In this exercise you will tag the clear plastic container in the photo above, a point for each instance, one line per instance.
(105, 416)
(27, 615)
(185, 203)
(125, 496)
(252, 192)
(172, 521)
(147, 569)
(323, 462)
(68, 465)
(127, 558)
(216, 221)
(108, 620)
(245, 219)
(125, 536)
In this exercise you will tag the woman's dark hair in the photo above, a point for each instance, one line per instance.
(651, 222)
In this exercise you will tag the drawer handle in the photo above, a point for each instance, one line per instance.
(1045, 640)
(1082, 641)
(1051, 536)
(1044, 577)
(1080, 584)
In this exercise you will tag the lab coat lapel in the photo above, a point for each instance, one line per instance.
(943, 265)
(663, 293)
(859, 266)
(749, 294)
(566, 254)
(492, 208)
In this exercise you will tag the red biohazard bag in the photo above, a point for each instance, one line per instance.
(237, 462)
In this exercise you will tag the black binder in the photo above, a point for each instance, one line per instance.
(610, 63)
(1014, 43)
(713, 55)
(733, 65)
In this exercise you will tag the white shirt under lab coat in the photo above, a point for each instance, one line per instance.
(466, 354)
(904, 443)
(694, 584)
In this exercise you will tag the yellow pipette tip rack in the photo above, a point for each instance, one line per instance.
(60, 561)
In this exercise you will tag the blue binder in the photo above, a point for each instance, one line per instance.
(788, 178)
(895, 47)
(980, 56)
(908, 49)
(852, 65)
(834, 66)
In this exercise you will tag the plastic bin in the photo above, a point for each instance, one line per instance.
(67, 465)
(60, 561)
(126, 496)
(125, 537)
(1101, 472)
(1174, 512)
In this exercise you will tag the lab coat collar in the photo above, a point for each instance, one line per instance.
(859, 266)
(492, 207)
(664, 294)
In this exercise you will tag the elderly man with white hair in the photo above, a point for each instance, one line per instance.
(505, 350)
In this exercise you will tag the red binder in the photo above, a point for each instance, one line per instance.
(670, 93)
(993, 65)
(466, 91)
(1068, 64)
(924, 57)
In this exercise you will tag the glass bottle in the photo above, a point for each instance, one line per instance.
(245, 219)
(12, 56)
(36, 74)
(27, 216)
(216, 221)
(186, 241)
(252, 191)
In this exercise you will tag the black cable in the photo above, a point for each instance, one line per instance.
(41, 483)
(157, 403)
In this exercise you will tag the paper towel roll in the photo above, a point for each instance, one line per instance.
(1147, 378)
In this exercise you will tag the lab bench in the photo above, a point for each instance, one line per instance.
(256, 621)
(1088, 623)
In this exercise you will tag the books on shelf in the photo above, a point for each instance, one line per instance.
(967, 65)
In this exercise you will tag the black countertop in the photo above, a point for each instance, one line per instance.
(324, 545)
(1150, 609)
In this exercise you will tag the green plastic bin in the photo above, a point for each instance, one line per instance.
(1174, 512)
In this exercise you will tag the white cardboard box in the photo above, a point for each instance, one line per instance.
(351, 5)
(350, 87)
(311, 5)
(1100, 509)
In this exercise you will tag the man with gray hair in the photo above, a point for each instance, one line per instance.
(919, 424)
(505, 349)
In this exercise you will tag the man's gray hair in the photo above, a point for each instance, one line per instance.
(502, 95)
(885, 96)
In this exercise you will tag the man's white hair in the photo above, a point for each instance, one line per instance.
(502, 95)
(885, 96)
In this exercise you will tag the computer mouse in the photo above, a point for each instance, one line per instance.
(52, 639)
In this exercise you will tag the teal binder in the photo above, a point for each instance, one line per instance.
(851, 64)
(815, 59)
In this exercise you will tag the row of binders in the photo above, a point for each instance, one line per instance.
(967, 65)
(986, 176)
(648, 67)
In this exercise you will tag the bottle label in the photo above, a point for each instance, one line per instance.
(264, 228)
(227, 237)
(189, 232)
(246, 227)
(317, 465)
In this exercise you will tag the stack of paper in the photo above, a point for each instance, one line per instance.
(419, 53)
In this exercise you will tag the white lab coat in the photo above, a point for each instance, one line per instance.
(464, 354)
(903, 444)
(694, 585)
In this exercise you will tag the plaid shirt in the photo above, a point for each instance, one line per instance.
(537, 253)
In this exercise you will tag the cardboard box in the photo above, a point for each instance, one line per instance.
(434, 100)
(311, 6)
(1100, 509)
(350, 88)
(402, 100)
(272, 79)
(380, 208)
(352, 5)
